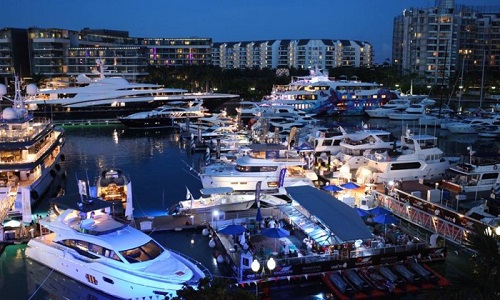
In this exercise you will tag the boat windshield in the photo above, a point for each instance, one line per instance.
(146, 252)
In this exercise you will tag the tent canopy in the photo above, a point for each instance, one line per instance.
(339, 217)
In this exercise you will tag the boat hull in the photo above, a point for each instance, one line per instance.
(104, 277)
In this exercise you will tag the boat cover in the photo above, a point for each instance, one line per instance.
(340, 218)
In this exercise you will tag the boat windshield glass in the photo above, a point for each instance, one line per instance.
(146, 252)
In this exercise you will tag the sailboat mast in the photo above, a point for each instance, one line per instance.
(482, 80)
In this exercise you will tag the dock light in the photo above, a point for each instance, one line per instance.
(271, 264)
(497, 230)
(390, 183)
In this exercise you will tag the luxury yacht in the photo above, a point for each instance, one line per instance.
(89, 246)
(109, 97)
(114, 186)
(354, 145)
(165, 115)
(272, 164)
(419, 158)
(29, 156)
(476, 172)
(319, 94)
(393, 106)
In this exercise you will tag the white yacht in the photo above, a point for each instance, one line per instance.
(222, 199)
(322, 95)
(393, 106)
(470, 125)
(354, 145)
(30, 151)
(476, 172)
(165, 115)
(325, 140)
(114, 186)
(87, 245)
(109, 97)
(413, 112)
(272, 164)
(419, 158)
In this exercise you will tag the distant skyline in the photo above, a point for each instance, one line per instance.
(225, 20)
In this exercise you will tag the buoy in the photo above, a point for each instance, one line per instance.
(205, 231)
(211, 243)
(220, 259)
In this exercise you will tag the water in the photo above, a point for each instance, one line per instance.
(159, 167)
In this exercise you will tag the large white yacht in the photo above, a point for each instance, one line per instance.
(272, 164)
(89, 246)
(30, 151)
(319, 94)
(354, 145)
(109, 97)
(419, 158)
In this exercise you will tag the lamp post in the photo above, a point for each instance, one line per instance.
(271, 264)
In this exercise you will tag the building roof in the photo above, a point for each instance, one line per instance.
(339, 217)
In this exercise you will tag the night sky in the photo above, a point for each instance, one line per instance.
(224, 20)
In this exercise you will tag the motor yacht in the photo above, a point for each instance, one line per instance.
(320, 94)
(30, 152)
(476, 172)
(272, 164)
(413, 112)
(419, 158)
(222, 199)
(89, 246)
(393, 106)
(354, 145)
(114, 186)
(109, 97)
(165, 115)
(326, 140)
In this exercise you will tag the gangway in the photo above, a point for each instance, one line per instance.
(6, 202)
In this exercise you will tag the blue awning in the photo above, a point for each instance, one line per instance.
(339, 217)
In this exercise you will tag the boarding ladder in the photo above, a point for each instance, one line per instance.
(7, 201)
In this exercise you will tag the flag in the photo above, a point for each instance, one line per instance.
(281, 178)
(189, 196)
(82, 187)
(257, 193)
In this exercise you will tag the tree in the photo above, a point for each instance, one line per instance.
(211, 289)
(476, 276)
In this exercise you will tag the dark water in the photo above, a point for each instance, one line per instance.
(159, 167)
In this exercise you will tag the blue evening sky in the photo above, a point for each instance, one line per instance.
(224, 20)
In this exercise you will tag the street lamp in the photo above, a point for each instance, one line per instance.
(271, 264)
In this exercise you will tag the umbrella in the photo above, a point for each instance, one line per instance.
(232, 229)
(362, 212)
(385, 219)
(332, 188)
(275, 233)
(350, 186)
(379, 211)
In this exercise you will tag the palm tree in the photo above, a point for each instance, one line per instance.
(475, 275)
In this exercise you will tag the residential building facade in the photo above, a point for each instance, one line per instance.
(437, 43)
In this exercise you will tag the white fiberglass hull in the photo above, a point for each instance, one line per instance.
(95, 273)
(249, 183)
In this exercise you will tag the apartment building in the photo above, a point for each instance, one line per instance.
(437, 43)
(301, 54)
